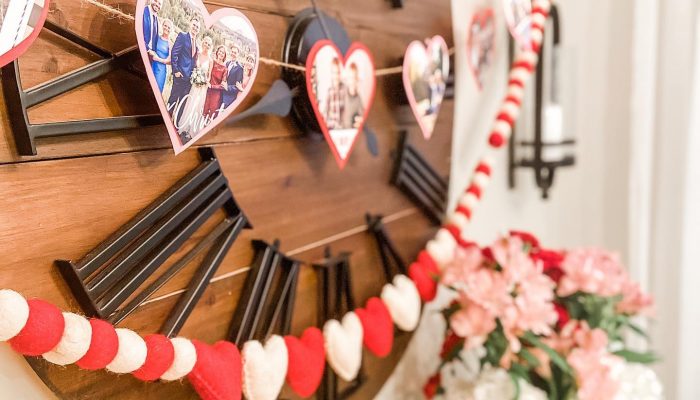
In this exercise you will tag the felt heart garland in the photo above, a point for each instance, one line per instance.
(403, 302)
(341, 90)
(377, 326)
(264, 368)
(217, 373)
(307, 359)
(343, 343)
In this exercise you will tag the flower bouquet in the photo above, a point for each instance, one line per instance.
(532, 323)
(198, 77)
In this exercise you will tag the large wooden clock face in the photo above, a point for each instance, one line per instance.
(80, 189)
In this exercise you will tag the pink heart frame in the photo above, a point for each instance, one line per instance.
(426, 67)
(518, 15)
(481, 40)
(330, 80)
(203, 76)
(25, 21)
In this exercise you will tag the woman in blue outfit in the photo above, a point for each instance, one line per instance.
(161, 58)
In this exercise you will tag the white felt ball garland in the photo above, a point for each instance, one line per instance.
(14, 313)
(131, 354)
(74, 343)
(184, 361)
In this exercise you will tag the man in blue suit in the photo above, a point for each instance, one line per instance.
(234, 74)
(183, 61)
(151, 34)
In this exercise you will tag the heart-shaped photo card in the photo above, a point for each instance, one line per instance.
(201, 66)
(20, 24)
(518, 14)
(481, 44)
(426, 67)
(341, 90)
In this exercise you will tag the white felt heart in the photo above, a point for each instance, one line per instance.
(344, 345)
(264, 368)
(403, 301)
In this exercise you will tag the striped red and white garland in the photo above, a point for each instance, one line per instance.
(37, 328)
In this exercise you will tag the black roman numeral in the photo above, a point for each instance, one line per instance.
(419, 181)
(110, 274)
(335, 299)
(18, 100)
(266, 305)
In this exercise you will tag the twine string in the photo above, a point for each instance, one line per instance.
(118, 13)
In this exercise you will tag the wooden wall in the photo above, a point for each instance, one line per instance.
(78, 189)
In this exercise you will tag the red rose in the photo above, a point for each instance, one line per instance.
(527, 238)
(563, 315)
(449, 344)
(431, 387)
(551, 263)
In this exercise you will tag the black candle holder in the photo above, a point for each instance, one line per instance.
(544, 169)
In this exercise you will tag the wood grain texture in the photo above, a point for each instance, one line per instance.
(77, 190)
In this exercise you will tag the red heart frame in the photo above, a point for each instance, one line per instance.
(18, 50)
(355, 46)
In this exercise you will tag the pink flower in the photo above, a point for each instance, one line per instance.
(466, 261)
(593, 364)
(634, 301)
(489, 289)
(474, 323)
(592, 271)
(535, 314)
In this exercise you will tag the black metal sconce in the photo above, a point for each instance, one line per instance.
(545, 141)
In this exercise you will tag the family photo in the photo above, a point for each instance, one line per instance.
(517, 14)
(427, 73)
(481, 44)
(200, 72)
(343, 93)
(18, 18)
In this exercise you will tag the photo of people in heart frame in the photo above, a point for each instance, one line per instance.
(20, 23)
(518, 17)
(428, 67)
(343, 91)
(480, 44)
(201, 72)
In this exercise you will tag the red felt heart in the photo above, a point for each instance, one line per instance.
(217, 373)
(24, 18)
(424, 279)
(307, 359)
(341, 90)
(378, 327)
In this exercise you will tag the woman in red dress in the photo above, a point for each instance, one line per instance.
(216, 84)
